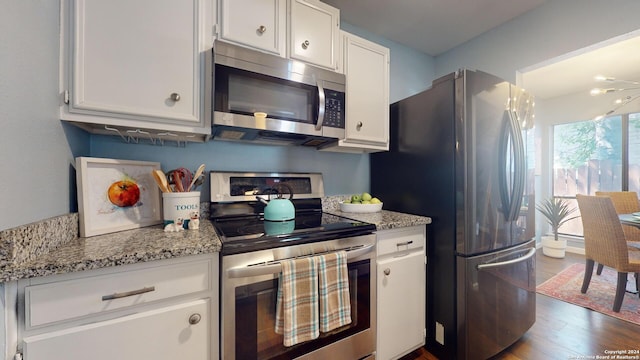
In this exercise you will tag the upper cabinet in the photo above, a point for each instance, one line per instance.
(305, 30)
(366, 67)
(258, 24)
(138, 68)
(313, 32)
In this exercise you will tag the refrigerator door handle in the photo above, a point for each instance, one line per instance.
(529, 254)
(519, 167)
(505, 194)
(511, 194)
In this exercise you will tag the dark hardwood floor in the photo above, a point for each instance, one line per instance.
(564, 331)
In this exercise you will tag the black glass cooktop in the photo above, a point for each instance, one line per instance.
(251, 233)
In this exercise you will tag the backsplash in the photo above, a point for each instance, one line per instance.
(26, 242)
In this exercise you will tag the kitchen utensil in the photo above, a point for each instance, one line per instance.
(185, 176)
(177, 179)
(161, 180)
(199, 172)
(279, 209)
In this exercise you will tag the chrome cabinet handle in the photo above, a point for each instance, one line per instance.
(194, 318)
(359, 125)
(128, 293)
(261, 29)
(305, 44)
(175, 96)
(406, 243)
(387, 271)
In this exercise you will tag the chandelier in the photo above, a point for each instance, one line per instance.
(620, 102)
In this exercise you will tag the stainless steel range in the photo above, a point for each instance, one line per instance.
(251, 253)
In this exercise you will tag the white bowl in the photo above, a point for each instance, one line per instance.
(360, 208)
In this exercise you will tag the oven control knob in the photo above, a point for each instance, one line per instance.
(194, 319)
(387, 271)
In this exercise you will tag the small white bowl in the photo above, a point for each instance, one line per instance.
(360, 208)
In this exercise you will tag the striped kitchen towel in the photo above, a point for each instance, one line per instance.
(335, 307)
(297, 301)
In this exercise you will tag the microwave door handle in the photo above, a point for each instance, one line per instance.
(321, 100)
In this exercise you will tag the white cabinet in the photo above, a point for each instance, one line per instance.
(305, 30)
(172, 332)
(366, 67)
(138, 65)
(313, 32)
(164, 309)
(401, 290)
(258, 24)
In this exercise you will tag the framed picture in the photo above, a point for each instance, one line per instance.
(116, 195)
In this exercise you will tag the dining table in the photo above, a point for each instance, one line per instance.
(630, 219)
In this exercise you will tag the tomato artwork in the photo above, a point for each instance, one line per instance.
(124, 193)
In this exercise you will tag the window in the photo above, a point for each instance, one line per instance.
(634, 152)
(590, 156)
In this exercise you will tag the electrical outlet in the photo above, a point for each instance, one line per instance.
(440, 333)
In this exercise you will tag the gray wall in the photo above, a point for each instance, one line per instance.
(36, 150)
(553, 29)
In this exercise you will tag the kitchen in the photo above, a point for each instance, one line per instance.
(50, 146)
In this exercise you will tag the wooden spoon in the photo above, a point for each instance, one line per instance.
(196, 176)
(161, 180)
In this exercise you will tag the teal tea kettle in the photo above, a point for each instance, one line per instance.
(279, 209)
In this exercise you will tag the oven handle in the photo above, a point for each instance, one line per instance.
(266, 269)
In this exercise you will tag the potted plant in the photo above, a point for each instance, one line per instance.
(557, 212)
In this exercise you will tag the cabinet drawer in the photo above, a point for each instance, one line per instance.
(397, 240)
(68, 299)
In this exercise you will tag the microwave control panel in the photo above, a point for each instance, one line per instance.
(333, 109)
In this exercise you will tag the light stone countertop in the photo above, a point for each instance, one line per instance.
(52, 246)
(120, 248)
(383, 220)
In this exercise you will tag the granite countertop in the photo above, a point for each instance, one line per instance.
(383, 220)
(386, 219)
(25, 255)
(52, 246)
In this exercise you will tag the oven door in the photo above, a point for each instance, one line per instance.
(249, 306)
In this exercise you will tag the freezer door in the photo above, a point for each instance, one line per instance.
(490, 166)
(496, 300)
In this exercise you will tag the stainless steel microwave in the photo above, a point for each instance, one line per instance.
(304, 104)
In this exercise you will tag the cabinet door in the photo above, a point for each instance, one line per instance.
(259, 24)
(166, 333)
(366, 67)
(401, 305)
(313, 32)
(137, 60)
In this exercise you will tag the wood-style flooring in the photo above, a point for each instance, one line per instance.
(564, 331)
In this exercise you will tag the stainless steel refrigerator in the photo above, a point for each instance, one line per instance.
(461, 153)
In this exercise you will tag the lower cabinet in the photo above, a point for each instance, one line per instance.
(401, 287)
(165, 309)
(172, 332)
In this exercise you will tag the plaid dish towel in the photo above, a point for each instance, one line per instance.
(297, 301)
(335, 307)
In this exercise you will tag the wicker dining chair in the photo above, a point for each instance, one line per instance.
(625, 202)
(604, 243)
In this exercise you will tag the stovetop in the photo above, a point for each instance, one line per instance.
(252, 233)
(237, 214)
